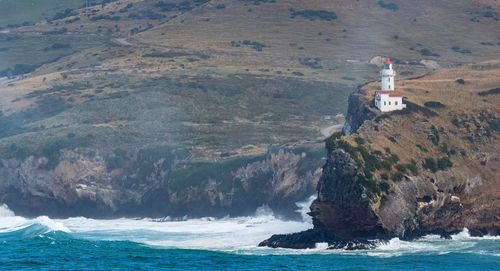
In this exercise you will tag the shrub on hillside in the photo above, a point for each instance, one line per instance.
(388, 5)
(430, 164)
(63, 14)
(444, 163)
(428, 52)
(493, 91)
(313, 63)
(314, 14)
(434, 104)
(105, 17)
(433, 135)
(458, 49)
(57, 46)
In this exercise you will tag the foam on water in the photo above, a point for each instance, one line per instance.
(9, 222)
(237, 235)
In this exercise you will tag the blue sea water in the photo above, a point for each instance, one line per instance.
(215, 244)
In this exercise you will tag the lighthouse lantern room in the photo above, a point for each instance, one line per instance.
(386, 99)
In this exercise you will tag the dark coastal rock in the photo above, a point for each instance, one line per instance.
(352, 211)
(357, 113)
(300, 240)
(342, 202)
(310, 238)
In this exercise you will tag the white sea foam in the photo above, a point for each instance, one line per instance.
(303, 208)
(9, 222)
(238, 235)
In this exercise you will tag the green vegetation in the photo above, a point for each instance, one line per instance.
(313, 63)
(152, 160)
(194, 174)
(434, 165)
(258, 2)
(52, 151)
(458, 49)
(422, 148)
(388, 5)
(493, 91)
(63, 14)
(444, 163)
(166, 6)
(491, 13)
(430, 164)
(434, 105)
(41, 50)
(408, 168)
(433, 135)
(126, 8)
(105, 17)
(371, 161)
(413, 107)
(257, 46)
(460, 81)
(174, 54)
(397, 176)
(312, 15)
(57, 46)
(428, 52)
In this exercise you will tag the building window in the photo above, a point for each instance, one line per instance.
(389, 103)
(396, 103)
(384, 103)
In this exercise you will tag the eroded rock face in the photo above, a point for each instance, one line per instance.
(83, 184)
(342, 202)
(357, 113)
(342, 214)
(351, 210)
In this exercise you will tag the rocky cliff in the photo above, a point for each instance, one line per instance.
(431, 168)
(150, 183)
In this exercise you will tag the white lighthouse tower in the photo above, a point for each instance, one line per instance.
(386, 99)
(387, 74)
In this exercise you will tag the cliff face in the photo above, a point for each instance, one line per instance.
(84, 183)
(358, 111)
(342, 204)
(431, 168)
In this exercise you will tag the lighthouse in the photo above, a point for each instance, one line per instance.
(386, 99)
(387, 74)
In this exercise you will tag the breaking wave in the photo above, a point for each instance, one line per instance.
(239, 235)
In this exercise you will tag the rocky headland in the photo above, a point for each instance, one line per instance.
(429, 169)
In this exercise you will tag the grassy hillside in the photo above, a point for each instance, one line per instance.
(218, 79)
(448, 134)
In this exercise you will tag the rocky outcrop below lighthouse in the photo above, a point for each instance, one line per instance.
(429, 169)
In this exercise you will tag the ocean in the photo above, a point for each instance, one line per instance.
(216, 244)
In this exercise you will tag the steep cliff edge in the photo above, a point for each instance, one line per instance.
(431, 168)
(154, 183)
